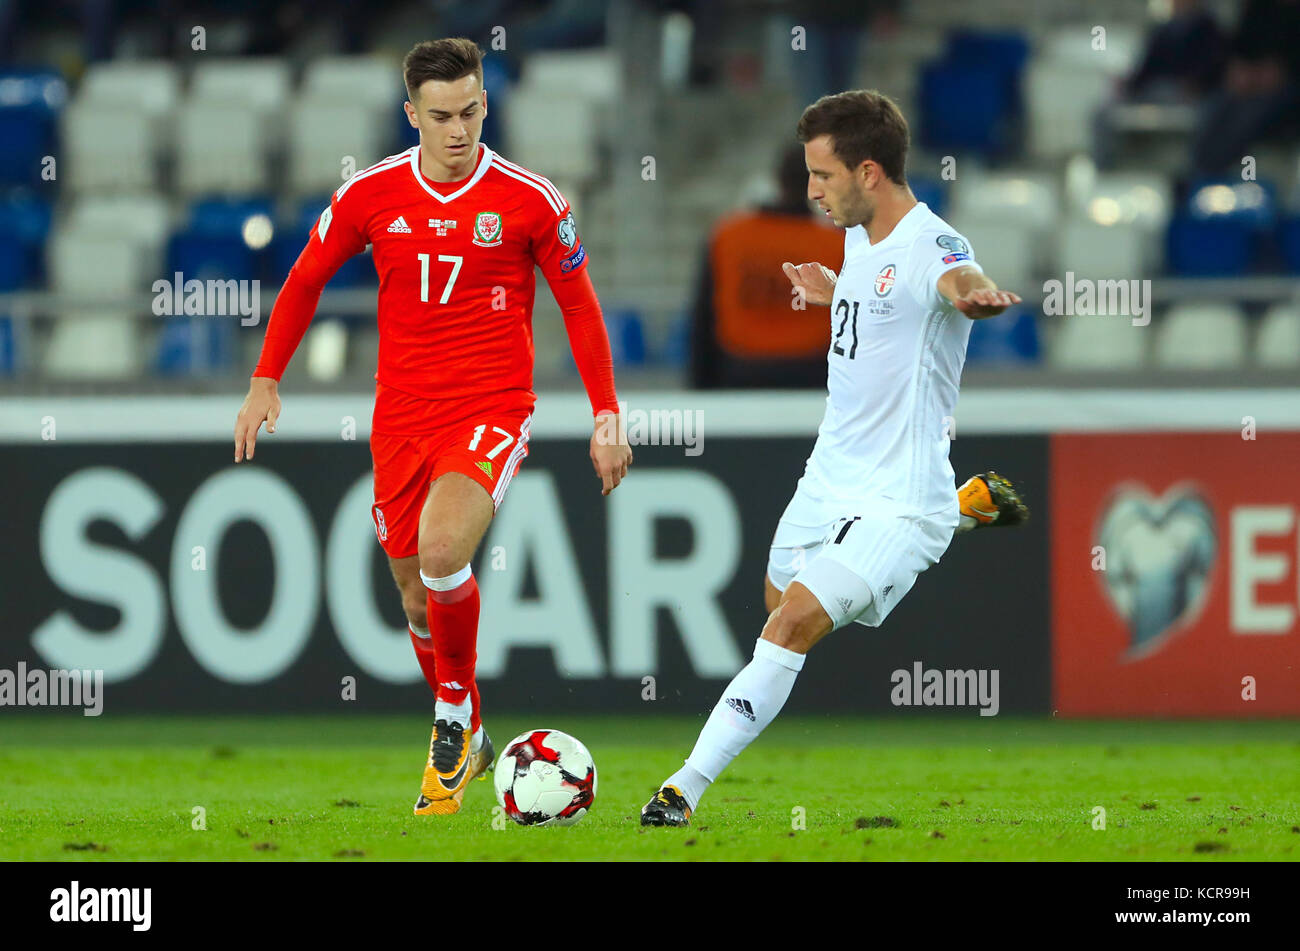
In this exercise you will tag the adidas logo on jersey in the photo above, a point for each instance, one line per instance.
(399, 226)
(742, 707)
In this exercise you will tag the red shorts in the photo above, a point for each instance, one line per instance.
(485, 439)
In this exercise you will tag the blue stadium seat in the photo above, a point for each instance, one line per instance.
(357, 271)
(1011, 338)
(30, 101)
(196, 345)
(1007, 53)
(24, 228)
(211, 247)
(1221, 227)
(1197, 247)
(1289, 239)
(965, 106)
(931, 192)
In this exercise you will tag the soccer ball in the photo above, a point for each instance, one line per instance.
(545, 777)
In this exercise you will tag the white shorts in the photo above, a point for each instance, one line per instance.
(858, 559)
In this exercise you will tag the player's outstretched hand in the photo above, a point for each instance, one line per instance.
(262, 404)
(815, 282)
(985, 302)
(610, 453)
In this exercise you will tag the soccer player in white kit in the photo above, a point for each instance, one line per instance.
(877, 504)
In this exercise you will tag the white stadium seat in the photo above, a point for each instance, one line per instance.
(220, 148)
(1142, 199)
(148, 86)
(1059, 102)
(322, 134)
(1095, 251)
(1278, 343)
(1029, 199)
(93, 265)
(1007, 253)
(1098, 343)
(262, 85)
(142, 221)
(553, 137)
(1210, 336)
(107, 148)
(106, 345)
(372, 81)
(593, 75)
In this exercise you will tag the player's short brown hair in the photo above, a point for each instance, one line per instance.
(443, 60)
(863, 124)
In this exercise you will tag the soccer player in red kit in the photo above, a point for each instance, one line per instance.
(456, 231)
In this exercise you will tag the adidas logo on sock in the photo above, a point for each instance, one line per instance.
(845, 604)
(742, 707)
(399, 226)
(885, 593)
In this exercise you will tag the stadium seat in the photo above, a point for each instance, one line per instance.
(371, 81)
(30, 102)
(261, 85)
(1097, 251)
(220, 148)
(931, 192)
(554, 137)
(108, 148)
(196, 345)
(1008, 253)
(291, 238)
(1010, 338)
(102, 346)
(1289, 239)
(1059, 102)
(148, 88)
(24, 227)
(1098, 343)
(965, 106)
(142, 222)
(1196, 247)
(594, 75)
(1142, 199)
(1074, 46)
(323, 134)
(9, 349)
(1201, 336)
(1029, 199)
(1278, 342)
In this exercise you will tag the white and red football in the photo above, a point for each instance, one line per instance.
(545, 777)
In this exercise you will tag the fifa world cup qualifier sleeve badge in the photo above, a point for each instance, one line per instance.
(487, 229)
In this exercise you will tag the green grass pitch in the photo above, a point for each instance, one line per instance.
(836, 788)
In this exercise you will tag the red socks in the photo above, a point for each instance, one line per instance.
(452, 609)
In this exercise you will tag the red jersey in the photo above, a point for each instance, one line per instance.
(456, 283)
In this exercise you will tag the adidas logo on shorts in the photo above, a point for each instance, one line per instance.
(743, 707)
(399, 226)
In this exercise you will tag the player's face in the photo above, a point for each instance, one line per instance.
(449, 116)
(834, 187)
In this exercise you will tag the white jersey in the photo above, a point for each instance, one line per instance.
(895, 362)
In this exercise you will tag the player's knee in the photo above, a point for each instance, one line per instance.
(798, 622)
(439, 558)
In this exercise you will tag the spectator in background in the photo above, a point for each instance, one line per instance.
(747, 331)
(835, 30)
(1259, 96)
(1183, 59)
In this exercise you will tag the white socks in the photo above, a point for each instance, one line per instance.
(453, 712)
(751, 701)
(965, 524)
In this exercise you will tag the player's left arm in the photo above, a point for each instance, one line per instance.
(560, 254)
(974, 293)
